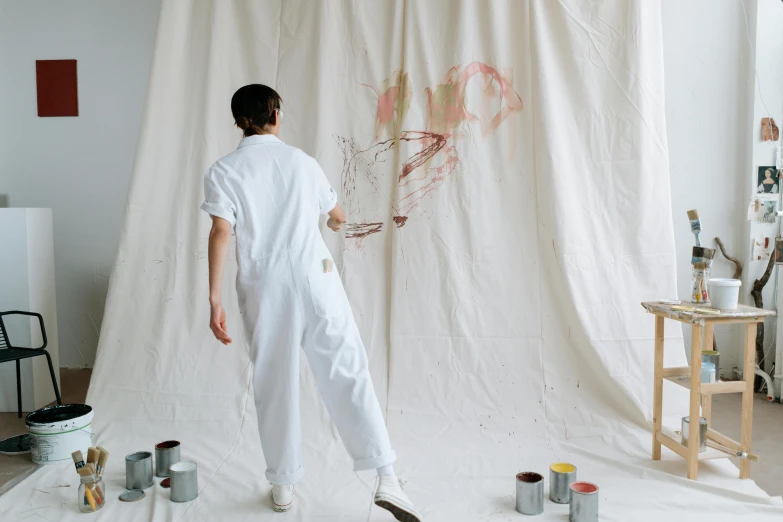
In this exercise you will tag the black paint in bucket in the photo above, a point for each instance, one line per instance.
(53, 414)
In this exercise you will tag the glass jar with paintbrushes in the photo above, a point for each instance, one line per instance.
(91, 494)
(91, 497)
(701, 260)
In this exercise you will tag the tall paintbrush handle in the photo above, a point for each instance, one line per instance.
(741, 454)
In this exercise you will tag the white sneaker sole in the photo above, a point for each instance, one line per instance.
(281, 509)
(400, 512)
(277, 507)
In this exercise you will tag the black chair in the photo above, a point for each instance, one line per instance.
(14, 353)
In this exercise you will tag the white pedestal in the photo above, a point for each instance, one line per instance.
(27, 284)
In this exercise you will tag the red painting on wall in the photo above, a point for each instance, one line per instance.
(57, 90)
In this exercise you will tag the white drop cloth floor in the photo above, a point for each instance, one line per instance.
(767, 433)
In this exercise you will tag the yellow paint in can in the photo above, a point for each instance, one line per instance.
(562, 467)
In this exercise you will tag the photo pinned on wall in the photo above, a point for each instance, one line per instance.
(779, 250)
(762, 248)
(769, 130)
(763, 210)
(768, 180)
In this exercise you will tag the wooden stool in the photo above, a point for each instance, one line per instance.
(702, 324)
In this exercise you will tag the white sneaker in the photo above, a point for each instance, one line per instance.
(390, 496)
(282, 497)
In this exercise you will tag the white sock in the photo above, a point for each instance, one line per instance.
(386, 470)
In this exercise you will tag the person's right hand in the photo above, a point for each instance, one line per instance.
(333, 224)
(217, 323)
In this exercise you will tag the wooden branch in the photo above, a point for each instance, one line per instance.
(758, 300)
(737, 264)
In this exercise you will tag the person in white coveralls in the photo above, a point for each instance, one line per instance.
(291, 296)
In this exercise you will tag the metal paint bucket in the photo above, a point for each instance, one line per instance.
(530, 493)
(184, 481)
(166, 454)
(58, 431)
(584, 502)
(561, 476)
(138, 470)
(702, 433)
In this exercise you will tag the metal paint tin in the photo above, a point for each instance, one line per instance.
(138, 470)
(584, 502)
(184, 481)
(561, 476)
(530, 493)
(702, 433)
(166, 454)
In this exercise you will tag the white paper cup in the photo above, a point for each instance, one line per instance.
(724, 293)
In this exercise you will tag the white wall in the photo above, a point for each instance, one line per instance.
(79, 167)
(768, 101)
(27, 282)
(709, 103)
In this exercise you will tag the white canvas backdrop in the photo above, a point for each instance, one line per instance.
(502, 319)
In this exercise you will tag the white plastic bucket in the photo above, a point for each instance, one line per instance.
(58, 431)
(724, 293)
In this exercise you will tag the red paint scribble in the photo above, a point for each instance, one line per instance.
(435, 177)
(355, 161)
(428, 168)
(431, 145)
(400, 221)
(361, 230)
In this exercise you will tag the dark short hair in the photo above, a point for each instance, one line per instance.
(254, 107)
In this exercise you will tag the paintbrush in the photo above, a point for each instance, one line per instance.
(693, 215)
(102, 460)
(92, 456)
(736, 453)
(98, 493)
(702, 255)
(695, 309)
(78, 459)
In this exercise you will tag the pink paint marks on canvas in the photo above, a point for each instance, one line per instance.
(394, 100)
(446, 109)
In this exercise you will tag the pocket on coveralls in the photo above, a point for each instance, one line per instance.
(327, 295)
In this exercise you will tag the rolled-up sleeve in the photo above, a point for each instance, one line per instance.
(217, 201)
(327, 197)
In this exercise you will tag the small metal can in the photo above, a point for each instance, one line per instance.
(138, 470)
(702, 433)
(166, 454)
(184, 481)
(561, 476)
(584, 502)
(530, 493)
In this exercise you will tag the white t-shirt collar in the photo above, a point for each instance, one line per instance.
(259, 139)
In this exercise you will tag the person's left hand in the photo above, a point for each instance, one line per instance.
(217, 323)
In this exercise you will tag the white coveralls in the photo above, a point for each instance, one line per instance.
(274, 195)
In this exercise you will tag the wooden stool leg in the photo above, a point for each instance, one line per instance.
(747, 397)
(658, 388)
(706, 400)
(693, 431)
